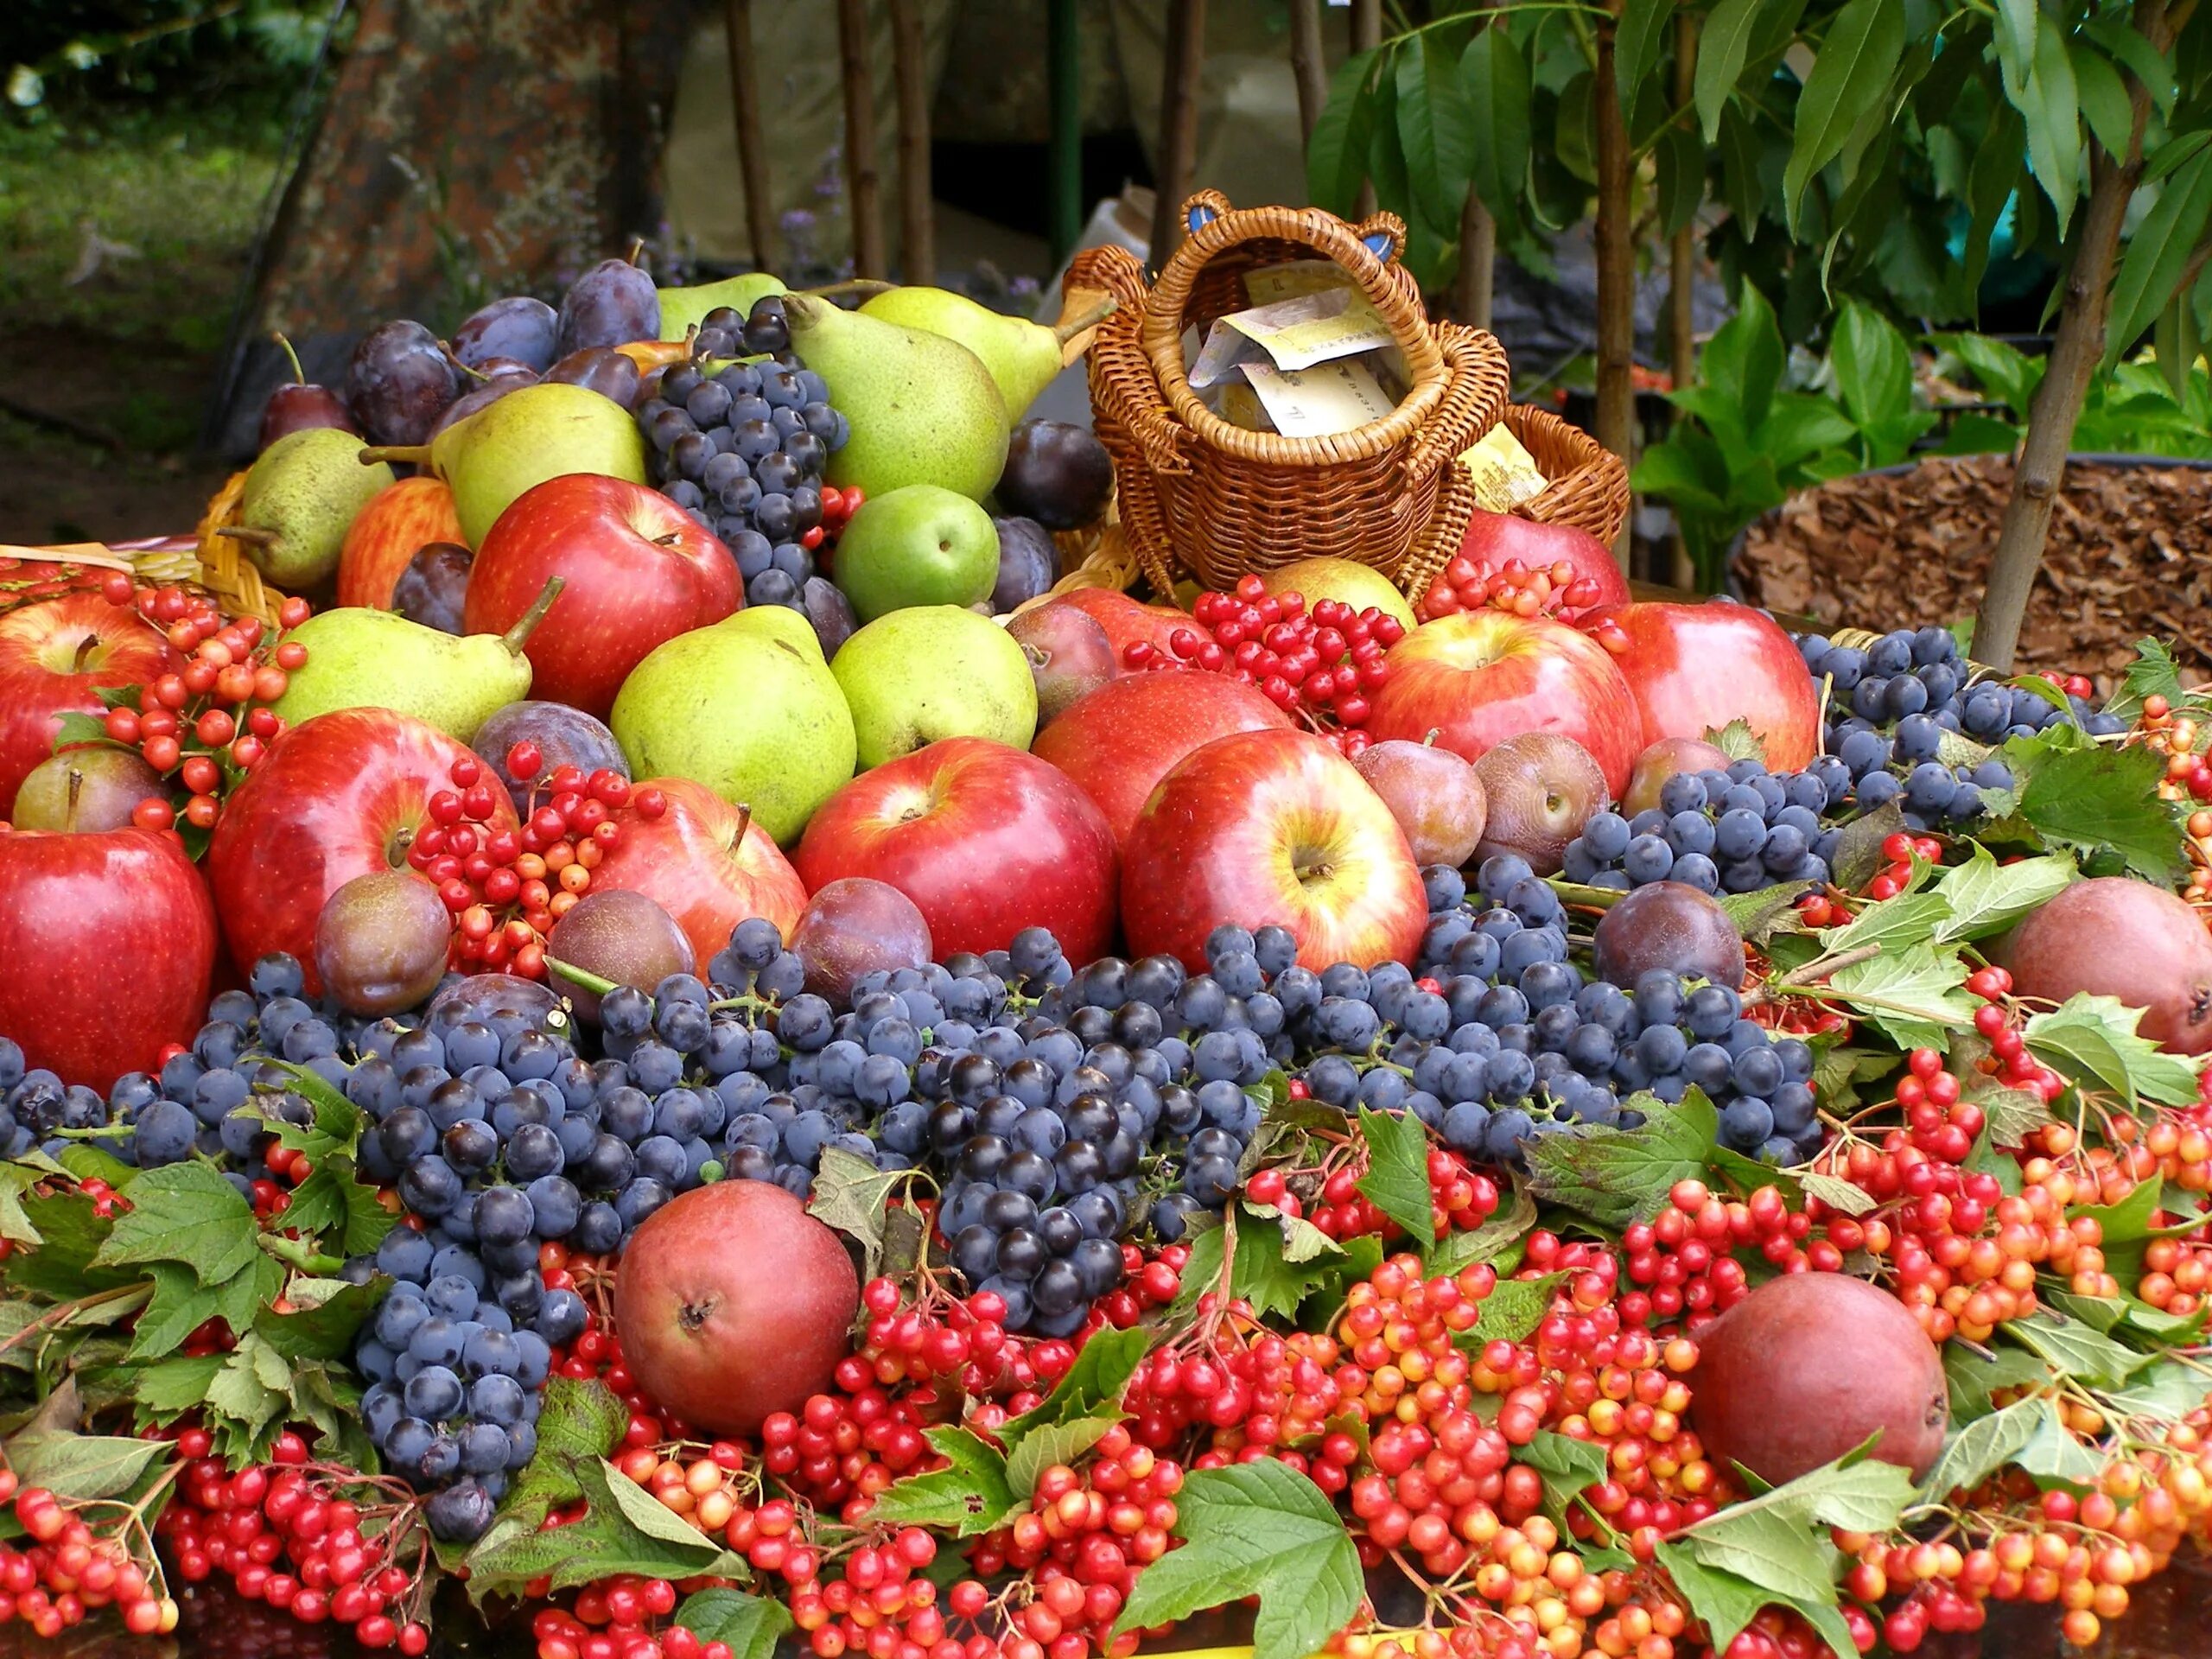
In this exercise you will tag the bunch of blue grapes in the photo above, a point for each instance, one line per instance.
(1513, 1043)
(1736, 830)
(742, 450)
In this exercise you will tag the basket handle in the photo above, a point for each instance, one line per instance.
(1438, 441)
(1358, 249)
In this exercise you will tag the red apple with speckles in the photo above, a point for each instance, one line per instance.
(1271, 826)
(109, 939)
(342, 795)
(1694, 668)
(1479, 678)
(54, 656)
(706, 863)
(986, 840)
(1119, 741)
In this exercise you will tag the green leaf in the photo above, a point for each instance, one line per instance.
(1681, 166)
(1858, 846)
(1336, 155)
(852, 1196)
(1488, 1243)
(1639, 44)
(1893, 923)
(1396, 1181)
(1743, 362)
(2097, 797)
(2052, 1452)
(2166, 1391)
(970, 1497)
(324, 1327)
(1093, 1384)
(2159, 253)
(2050, 104)
(1723, 1602)
(1509, 1313)
(2156, 671)
(1986, 897)
(76, 1468)
(1974, 1374)
(2127, 1228)
(2125, 42)
(1386, 156)
(1845, 1197)
(2104, 100)
(182, 1304)
(1777, 1540)
(1053, 1443)
(749, 1626)
(2092, 1040)
(1255, 1529)
(624, 1529)
(1617, 1176)
(1721, 46)
(1914, 995)
(1435, 127)
(1851, 75)
(580, 1422)
(2077, 1350)
(2016, 30)
(172, 1387)
(1261, 1272)
(1567, 1466)
(1872, 366)
(188, 1213)
(1981, 1448)
(1494, 76)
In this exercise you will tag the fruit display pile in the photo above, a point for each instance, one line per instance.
(684, 1049)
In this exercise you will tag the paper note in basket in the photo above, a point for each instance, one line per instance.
(1267, 284)
(1505, 474)
(1293, 333)
(1317, 402)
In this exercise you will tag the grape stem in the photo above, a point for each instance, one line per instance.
(301, 1256)
(583, 977)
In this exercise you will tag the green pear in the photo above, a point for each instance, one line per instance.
(933, 672)
(363, 658)
(924, 408)
(920, 545)
(746, 707)
(687, 307)
(1022, 356)
(300, 498)
(516, 443)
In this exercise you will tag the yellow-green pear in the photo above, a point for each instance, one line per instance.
(516, 443)
(746, 707)
(300, 498)
(931, 672)
(363, 658)
(687, 307)
(924, 408)
(1022, 356)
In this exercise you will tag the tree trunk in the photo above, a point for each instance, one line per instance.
(1366, 34)
(910, 74)
(862, 193)
(1615, 259)
(1471, 293)
(1307, 64)
(752, 148)
(2075, 352)
(1179, 122)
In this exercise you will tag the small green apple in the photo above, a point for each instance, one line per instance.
(918, 546)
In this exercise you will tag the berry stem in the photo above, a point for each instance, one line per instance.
(515, 638)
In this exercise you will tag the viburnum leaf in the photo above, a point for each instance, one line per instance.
(1396, 1181)
(72, 1236)
(1985, 897)
(2099, 797)
(1858, 846)
(1092, 1386)
(1779, 1541)
(2156, 672)
(1050, 1443)
(169, 1387)
(1567, 1466)
(14, 1221)
(322, 1326)
(186, 1213)
(1261, 1530)
(1982, 1447)
(2164, 1391)
(78, 1467)
(2051, 1452)
(1513, 1309)
(1738, 741)
(2128, 1228)
(1617, 1176)
(1723, 1602)
(854, 1196)
(1763, 912)
(749, 1626)
(1905, 920)
(1913, 994)
(1973, 1375)
(1260, 1270)
(1488, 1243)
(182, 1304)
(970, 1498)
(619, 1532)
(1839, 1194)
(336, 1130)
(579, 1422)
(2093, 1038)
(2077, 1350)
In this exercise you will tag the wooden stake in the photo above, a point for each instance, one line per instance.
(1307, 64)
(862, 193)
(917, 211)
(1472, 292)
(1366, 34)
(1616, 260)
(752, 150)
(1179, 122)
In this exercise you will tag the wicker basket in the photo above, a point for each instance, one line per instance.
(1197, 493)
(1589, 485)
(204, 560)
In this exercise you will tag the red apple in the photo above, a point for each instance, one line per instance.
(985, 840)
(1272, 827)
(1481, 676)
(399, 521)
(336, 796)
(1120, 740)
(1695, 668)
(54, 656)
(1493, 539)
(706, 863)
(109, 940)
(639, 570)
(1125, 621)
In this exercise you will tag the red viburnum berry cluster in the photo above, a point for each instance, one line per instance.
(1683, 1261)
(74, 1559)
(1321, 665)
(1466, 583)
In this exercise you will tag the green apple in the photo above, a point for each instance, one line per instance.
(747, 706)
(933, 672)
(918, 546)
(687, 307)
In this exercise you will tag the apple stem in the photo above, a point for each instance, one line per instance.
(514, 637)
(299, 375)
(1429, 740)
(1090, 317)
(583, 977)
(744, 822)
(415, 455)
(247, 533)
(85, 647)
(76, 787)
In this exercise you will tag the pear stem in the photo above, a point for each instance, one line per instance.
(246, 533)
(514, 637)
(866, 287)
(581, 977)
(1090, 317)
(299, 374)
(415, 455)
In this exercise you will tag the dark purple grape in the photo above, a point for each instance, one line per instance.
(766, 329)
(612, 304)
(708, 402)
(757, 439)
(602, 368)
(773, 513)
(778, 474)
(432, 587)
(690, 454)
(525, 329)
(667, 426)
(773, 587)
(724, 316)
(679, 382)
(399, 382)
